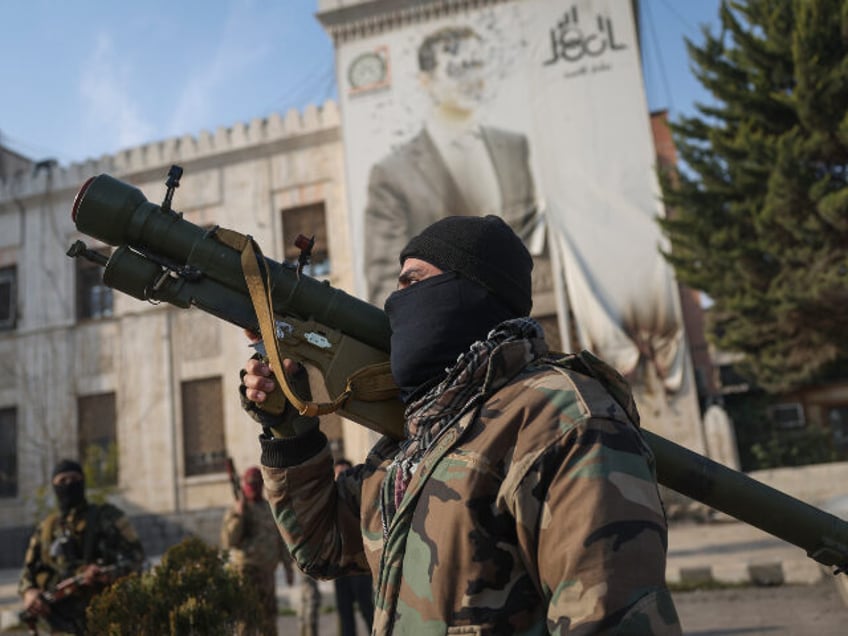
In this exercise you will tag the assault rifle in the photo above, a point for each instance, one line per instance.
(66, 588)
(232, 475)
(161, 257)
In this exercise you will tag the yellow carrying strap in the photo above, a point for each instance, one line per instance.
(373, 383)
(256, 274)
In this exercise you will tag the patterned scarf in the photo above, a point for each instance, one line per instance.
(467, 383)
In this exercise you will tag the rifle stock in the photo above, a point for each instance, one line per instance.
(232, 475)
(162, 257)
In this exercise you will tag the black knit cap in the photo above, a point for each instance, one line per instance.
(483, 249)
(67, 466)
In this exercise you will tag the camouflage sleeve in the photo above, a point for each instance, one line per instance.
(232, 529)
(318, 518)
(590, 519)
(120, 543)
(285, 555)
(33, 568)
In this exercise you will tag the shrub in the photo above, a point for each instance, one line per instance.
(191, 593)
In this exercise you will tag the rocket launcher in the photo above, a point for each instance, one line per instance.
(161, 257)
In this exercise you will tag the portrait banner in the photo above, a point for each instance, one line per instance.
(533, 110)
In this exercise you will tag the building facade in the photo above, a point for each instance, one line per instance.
(147, 394)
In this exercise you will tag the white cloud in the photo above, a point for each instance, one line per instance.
(111, 119)
(243, 43)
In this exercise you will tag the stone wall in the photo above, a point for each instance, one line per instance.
(818, 485)
(274, 134)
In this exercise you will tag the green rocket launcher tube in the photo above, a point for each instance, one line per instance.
(162, 257)
(118, 214)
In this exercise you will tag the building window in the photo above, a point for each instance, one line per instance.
(8, 452)
(94, 299)
(98, 447)
(788, 415)
(203, 427)
(310, 221)
(8, 297)
(837, 420)
(730, 380)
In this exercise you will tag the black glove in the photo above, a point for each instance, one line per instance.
(289, 423)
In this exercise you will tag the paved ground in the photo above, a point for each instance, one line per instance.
(785, 610)
(733, 552)
(722, 551)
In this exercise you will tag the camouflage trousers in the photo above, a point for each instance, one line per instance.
(310, 603)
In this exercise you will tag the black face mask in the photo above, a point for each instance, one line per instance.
(69, 495)
(433, 322)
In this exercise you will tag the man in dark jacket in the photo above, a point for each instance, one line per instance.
(93, 544)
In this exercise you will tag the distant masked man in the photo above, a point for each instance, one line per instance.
(255, 546)
(93, 543)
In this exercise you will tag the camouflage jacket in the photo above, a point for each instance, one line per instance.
(252, 537)
(534, 510)
(61, 547)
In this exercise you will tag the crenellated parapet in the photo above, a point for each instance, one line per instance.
(153, 156)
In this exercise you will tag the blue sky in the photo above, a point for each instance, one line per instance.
(83, 78)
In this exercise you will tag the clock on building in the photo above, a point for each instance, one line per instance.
(367, 70)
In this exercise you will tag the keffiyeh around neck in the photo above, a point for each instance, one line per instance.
(467, 382)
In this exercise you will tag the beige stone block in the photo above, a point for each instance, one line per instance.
(733, 572)
(804, 571)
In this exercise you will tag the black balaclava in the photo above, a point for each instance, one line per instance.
(486, 281)
(70, 495)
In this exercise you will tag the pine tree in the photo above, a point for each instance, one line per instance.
(760, 209)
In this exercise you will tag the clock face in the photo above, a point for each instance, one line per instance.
(366, 70)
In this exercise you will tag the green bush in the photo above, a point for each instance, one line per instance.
(802, 447)
(762, 444)
(191, 593)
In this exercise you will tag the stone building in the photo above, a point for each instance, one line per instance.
(149, 391)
